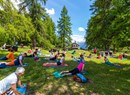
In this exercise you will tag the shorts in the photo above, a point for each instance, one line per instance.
(58, 63)
(53, 58)
(74, 71)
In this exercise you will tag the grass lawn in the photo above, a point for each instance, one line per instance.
(106, 80)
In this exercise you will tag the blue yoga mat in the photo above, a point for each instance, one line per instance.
(2, 66)
(21, 90)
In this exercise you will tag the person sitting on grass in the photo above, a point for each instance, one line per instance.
(61, 61)
(99, 56)
(18, 61)
(9, 82)
(90, 56)
(76, 70)
(120, 56)
(35, 53)
(54, 57)
(30, 51)
(109, 63)
(81, 58)
(51, 55)
(125, 54)
(95, 50)
(10, 56)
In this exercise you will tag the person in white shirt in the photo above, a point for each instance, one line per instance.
(4, 46)
(9, 82)
(52, 55)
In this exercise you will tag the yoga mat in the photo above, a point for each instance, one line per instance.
(57, 75)
(2, 66)
(49, 65)
(111, 64)
(21, 90)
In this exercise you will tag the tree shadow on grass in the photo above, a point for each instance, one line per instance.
(107, 80)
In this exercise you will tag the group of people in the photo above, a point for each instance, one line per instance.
(10, 82)
(77, 70)
(108, 53)
(13, 61)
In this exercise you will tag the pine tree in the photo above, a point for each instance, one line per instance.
(64, 29)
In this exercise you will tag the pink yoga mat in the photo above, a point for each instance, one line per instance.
(48, 65)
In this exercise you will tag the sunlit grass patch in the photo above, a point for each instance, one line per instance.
(106, 80)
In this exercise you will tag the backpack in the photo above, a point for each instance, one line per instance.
(82, 78)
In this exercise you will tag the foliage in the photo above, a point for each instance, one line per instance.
(18, 27)
(3, 36)
(64, 29)
(29, 24)
(109, 25)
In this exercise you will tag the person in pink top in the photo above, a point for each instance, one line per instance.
(76, 70)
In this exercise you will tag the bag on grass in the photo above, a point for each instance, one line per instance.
(80, 78)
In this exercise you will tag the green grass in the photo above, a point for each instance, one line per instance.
(106, 80)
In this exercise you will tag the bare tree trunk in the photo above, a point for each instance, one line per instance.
(34, 43)
(114, 48)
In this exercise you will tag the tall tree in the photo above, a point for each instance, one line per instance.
(36, 12)
(64, 28)
(17, 27)
(108, 27)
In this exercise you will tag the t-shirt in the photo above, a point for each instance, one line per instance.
(10, 56)
(95, 50)
(30, 51)
(5, 83)
(80, 66)
(82, 60)
(20, 57)
(16, 62)
(106, 60)
(51, 56)
(35, 53)
(62, 59)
